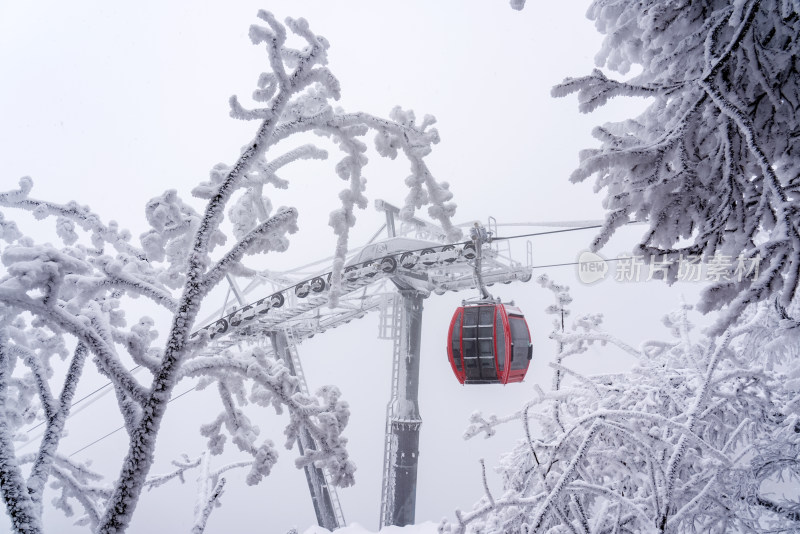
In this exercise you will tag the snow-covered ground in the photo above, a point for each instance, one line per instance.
(427, 527)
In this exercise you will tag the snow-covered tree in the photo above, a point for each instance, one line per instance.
(703, 435)
(69, 301)
(713, 164)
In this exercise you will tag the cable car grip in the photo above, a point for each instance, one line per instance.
(479, 236)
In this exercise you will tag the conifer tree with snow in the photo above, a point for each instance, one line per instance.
(69, 301)
(713, 163)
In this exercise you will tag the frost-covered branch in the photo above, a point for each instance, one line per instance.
(211, 486)
(137, 287)
(181, 467)
(196, 285)
(596, 90)
(13, 489)
(259, 238)
(212, 500)
(581, 487)
(74, 486)
(68, 215)
(107, 358)
(713, 354)
(323, 417)
(55, 426)
(711, 163)
(566, 476)
(31, 360)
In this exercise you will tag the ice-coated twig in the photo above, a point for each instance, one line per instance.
(714, 353)
(527, 428)
(213, 498)
(55, 426)
(486, 489)
(611, 495)
(566, 476)
(120, 280)
(19, 504)
(675, 518)
(320, 420)
(108, 360)
(81, 215)
(567, 371)
(182, 466)
(283, 221)
(89, 498)
(31, 359)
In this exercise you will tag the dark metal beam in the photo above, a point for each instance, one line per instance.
(404, 418)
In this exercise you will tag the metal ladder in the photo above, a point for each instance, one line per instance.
(294, 355)
(307, 442)
(392, 323)
(389, 317)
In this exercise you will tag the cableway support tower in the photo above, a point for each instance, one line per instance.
(393, 275)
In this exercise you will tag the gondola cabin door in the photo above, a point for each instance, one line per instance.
(489, 343)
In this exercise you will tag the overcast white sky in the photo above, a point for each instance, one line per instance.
(110, 104)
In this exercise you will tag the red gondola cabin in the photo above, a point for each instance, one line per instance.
(489, 343)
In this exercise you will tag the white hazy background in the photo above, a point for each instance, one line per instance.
(110, 104)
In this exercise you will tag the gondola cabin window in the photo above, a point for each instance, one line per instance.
(489, 343)
(520, 343)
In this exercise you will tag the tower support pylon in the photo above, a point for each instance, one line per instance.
(399, 495)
